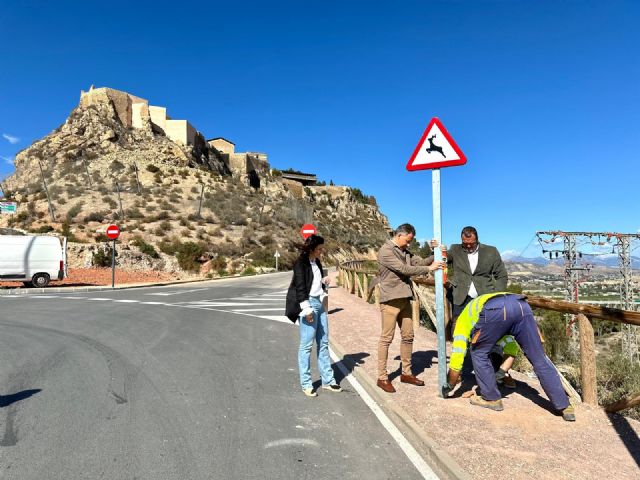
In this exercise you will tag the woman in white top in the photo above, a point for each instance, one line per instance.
(304, 303)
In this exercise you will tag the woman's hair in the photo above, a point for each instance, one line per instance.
(310, 244)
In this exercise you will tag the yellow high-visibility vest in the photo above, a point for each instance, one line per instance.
(465, 323)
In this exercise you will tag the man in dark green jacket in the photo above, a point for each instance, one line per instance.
(477, 269)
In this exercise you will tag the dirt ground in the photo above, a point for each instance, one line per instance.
(525, 441)
(80, 277)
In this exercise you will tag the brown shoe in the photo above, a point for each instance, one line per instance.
(412, 379)
(386, 386)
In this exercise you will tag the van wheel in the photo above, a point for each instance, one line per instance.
(40, 280)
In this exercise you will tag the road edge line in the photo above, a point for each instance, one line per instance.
(440, 461)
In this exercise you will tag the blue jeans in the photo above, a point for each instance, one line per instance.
(318, 329)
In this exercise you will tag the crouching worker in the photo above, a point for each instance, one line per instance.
(483, 322)
(502, 356)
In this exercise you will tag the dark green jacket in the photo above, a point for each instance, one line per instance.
(489, 276)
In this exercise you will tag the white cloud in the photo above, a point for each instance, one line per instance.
(10, 138)
(510, 254)
(7, 160)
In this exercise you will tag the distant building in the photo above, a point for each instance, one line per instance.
(247, 165)
(306, 179)
(135, 112)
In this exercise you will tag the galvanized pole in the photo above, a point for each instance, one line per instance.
(113, 265)
(135, 166)
(437, 233)
(120, 201)
(46, 190)
(86, 168)
(201, 197)
(277, 255)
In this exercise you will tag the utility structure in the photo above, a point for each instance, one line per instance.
(629, 332)
(46, 191)
(622, 245)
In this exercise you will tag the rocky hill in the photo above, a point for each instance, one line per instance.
(182, 206)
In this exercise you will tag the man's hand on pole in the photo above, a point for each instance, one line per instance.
(452, 379)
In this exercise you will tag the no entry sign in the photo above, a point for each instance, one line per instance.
(113, 232)
(307, 230)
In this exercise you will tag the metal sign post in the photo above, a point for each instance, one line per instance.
(435, 150)
(113, 232)
(113, 265)
(437, 256)
(277, 255)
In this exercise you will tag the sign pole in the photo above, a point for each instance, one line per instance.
(437, 232)
(113, 265)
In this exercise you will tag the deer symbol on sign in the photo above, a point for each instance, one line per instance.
(433, 147)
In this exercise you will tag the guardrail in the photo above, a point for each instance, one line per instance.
(356, 276)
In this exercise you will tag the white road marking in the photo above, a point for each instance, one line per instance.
(275, 318)
(253, 299)
(154, 303)
(423, 468)
(180, 292)
(220, 304)
(73, 298)
(285, 442)
(127, 301)
(43, 296)
(257, 310)
(100, 299)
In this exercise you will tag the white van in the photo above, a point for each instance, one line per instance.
(33, 260)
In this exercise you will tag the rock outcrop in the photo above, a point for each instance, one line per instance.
(106, 165)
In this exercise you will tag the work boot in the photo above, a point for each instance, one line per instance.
(386, 386)
(569, 414)
(490, 404)
(509, 382)
(411, 379)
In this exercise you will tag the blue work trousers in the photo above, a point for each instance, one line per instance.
(504, 315)
(318, 330)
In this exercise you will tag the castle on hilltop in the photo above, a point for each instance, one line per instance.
(135, 112)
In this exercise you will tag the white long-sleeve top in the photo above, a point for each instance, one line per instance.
(316, 289)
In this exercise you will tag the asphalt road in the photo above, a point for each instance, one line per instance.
(182, 382)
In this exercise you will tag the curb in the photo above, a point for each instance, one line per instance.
(444, 464)
(100, 288)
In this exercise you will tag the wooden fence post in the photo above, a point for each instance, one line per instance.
(365, 287)
(415, 313)
(376, 294)
(587, 361)
(352, 282)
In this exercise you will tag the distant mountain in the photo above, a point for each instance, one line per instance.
(608, 260)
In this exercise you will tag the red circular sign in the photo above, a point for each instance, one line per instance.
(113, 232)
(307, 230)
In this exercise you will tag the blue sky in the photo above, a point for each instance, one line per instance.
(543, 97)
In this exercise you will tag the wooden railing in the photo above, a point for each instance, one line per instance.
(357, 278)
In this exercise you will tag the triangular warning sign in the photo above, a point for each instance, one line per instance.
(436, 149)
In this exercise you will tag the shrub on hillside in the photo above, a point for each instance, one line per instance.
(188, 254)
(145, 247)
(618, 377)
(74, 211)
(43, 229)
(152, 168)
(248, 271)
(102, 258)
(94, 217)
